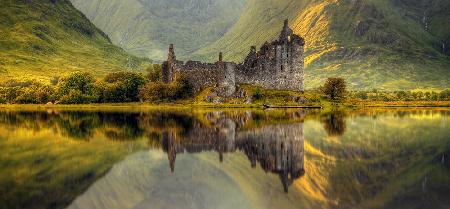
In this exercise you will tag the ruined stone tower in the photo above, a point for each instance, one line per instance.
(277, 65)
(167, 67)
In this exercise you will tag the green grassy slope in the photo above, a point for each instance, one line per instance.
(41, 39)
(146, 27)
(383, 44)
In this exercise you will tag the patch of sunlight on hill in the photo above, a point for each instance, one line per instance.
(372, 44)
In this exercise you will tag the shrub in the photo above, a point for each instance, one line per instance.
(335, 88)
(444, 95)
(77, 97)
(2, 95)
(77, 88)
(112, 93)
(362, 95)
(123, 86)
(257, 95)
(26, 96)
(183, 88)
(159, 92)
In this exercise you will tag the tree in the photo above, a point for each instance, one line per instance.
(335, 88)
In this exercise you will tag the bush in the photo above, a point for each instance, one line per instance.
(77, 97)
(33, 94)
(111, 92)
(77, 88)
(159, 92)
(123, 87)
(362, 95)
(444, 95)
(26, 96)
(335, 88)
(257, 95)
(183, 88)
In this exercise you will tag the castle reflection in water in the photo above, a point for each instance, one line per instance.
(278, 148)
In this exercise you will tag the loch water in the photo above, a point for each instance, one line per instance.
(231, 158)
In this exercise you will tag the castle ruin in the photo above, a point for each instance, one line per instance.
(277, 65)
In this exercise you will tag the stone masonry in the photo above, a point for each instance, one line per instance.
(277, 65)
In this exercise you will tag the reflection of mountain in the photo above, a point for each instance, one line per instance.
(277, 148)
(385, 159)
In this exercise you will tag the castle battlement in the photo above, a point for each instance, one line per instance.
(277, 65)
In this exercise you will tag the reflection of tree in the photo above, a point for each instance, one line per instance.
(334, 123)
(77, 125)
(277, 148)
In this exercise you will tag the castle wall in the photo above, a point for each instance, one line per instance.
(201, 75)
(277, 65)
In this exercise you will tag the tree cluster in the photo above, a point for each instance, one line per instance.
(84, 88)
(375, 95)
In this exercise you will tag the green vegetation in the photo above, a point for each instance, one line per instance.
(161, 92)
(147, 27)
(44, 40)
(376, 95)
(84, 88)
(372, 44)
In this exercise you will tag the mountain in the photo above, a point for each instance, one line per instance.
(147, 27)
(40, 39)
(382, 44)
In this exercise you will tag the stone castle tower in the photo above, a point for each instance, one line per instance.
(277, 65)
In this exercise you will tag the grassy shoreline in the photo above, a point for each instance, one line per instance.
(191, 105)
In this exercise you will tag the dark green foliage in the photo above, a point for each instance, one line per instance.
(160, 92)
(257, 95)
(77, 97)
(157, 92)
(33, 94)
(183, 88)
(77, 88)
(122, 87)
(335, 88)
(400, 96)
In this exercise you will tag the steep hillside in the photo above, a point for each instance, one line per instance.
(41, 39)
(147, 27)
(383, 44)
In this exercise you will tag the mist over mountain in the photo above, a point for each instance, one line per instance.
(147, 27)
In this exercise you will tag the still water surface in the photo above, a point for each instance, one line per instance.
(225, 159)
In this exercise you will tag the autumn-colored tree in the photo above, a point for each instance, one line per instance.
(335, 88)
